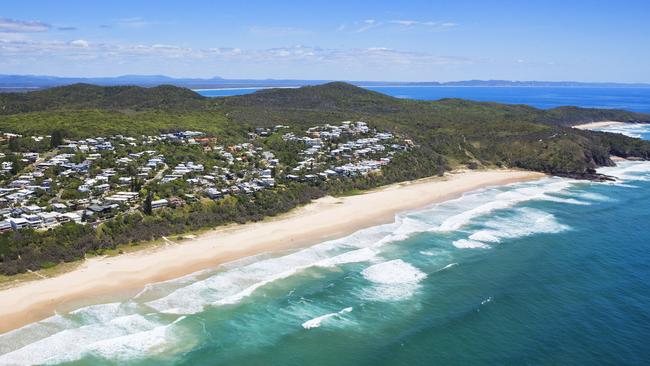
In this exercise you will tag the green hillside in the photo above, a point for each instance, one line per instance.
(465, 132)
(86, 96)
(461, 130)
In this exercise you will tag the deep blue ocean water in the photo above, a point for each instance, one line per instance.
(633, 99)
(551, 272)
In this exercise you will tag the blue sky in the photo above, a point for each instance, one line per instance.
(345, 40)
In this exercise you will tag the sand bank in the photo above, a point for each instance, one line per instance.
(592, 125)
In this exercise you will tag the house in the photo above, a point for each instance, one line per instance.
(34, 221)
(59, 207)
(70, 216)
(99, 208)
(49, 219)
(103, 187)
(18, 223)
(159, 204)
(5, 226)
(213, 193)
(19, 183)
(169, 178)
(32, 209)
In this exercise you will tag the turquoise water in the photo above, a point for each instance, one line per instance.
(633, 99)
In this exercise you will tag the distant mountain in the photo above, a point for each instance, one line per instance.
(27, 82)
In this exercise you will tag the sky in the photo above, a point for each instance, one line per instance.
(579, 40)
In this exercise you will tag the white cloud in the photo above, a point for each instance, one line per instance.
(20, 26)
(80, 43)
(407, 23)
(367, 25)
(134, 22)
(83, 49)
(12, 37)
(429, 24)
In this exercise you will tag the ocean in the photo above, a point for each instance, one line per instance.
(553, 272)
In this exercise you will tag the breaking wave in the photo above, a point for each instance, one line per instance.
(316, 322)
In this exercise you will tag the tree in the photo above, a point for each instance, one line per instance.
(14, 144)
(16, 163)
(56, 138)
(136, 185)
(146, 206)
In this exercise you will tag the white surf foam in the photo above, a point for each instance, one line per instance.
(135, 345)
(72, 343)
(594, 197)
(485, 236)
(393, 280)
(504, 200)
(393, 272)
(469, 244)
(19, 338)
(570, 201)
(629, 170)
(316, 322)
(631, 130)
(523, 222)
(235, 284)
(448, 266)
(354, 256)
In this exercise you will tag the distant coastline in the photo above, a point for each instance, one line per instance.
(412, 86)
(31, 82)
(245, 88)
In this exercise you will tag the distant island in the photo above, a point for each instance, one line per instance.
(10, 83)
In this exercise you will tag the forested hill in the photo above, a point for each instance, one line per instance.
(571, 116)
(86, 96)
(333, 97)
(461, 131)
(342, 97)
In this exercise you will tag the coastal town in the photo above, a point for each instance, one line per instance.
(46, 181)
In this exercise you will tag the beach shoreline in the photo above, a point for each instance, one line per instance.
(98, 280)
(592, 125)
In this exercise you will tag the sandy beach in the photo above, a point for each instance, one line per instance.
(592, 125)
(97, 279)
